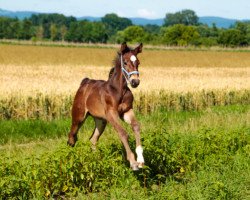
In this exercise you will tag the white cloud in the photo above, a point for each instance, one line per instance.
(146, 13)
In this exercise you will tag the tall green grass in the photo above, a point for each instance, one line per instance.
(189, 155)
(24, 131)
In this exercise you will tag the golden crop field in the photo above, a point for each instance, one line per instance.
(59, 70)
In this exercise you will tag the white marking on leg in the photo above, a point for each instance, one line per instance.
(95, 136)
(139, 152)
(127, 118)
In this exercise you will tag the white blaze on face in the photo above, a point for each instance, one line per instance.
(133, 76)
(133, 58)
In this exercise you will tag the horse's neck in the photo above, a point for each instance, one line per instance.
(117, 79)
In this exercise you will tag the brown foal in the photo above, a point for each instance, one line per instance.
(108, 101)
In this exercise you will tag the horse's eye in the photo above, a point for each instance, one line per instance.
(125, 63)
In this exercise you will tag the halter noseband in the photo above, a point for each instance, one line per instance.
(127, 74)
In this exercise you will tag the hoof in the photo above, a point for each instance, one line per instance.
(134, 167)
(70, 144)
(93, 147)
(72, 140)
(140, 165)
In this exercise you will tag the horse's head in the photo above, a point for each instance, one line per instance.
(130, 64)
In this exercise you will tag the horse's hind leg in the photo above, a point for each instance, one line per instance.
(129, 117)
(78, 117)
(100, 125)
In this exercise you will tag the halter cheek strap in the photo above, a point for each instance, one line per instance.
(127, 74)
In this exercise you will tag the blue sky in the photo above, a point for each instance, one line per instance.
(235, 9)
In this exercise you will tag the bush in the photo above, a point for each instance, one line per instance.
(232, 38)
(205, 160)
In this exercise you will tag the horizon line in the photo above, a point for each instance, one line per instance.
(14, 11)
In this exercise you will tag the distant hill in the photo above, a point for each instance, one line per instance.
(136, 21)
(91, 19)
(219, 21)
(18, 14)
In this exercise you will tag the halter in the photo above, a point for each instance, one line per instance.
(125, 73)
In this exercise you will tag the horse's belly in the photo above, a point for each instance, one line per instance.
(95, 107)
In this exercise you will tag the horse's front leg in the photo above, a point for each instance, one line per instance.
(113, 119)
(130, 118)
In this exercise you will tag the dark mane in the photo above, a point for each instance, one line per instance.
(111, 72)
(117, 61)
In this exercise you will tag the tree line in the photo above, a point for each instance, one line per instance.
(179, 29)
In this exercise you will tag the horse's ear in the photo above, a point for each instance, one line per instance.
(138, 49)
(124, 48)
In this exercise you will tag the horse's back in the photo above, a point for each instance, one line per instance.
(87, 87)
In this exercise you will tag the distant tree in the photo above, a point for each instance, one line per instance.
(85, 31)
(214, 31)
(53, 32)
(49, 20)
(57, 19)
(114, 23)
(186, 17)
(248, 32)
(15, 29)
(39, 32)
(63, 32)
(206, 31)
(242, 27)
(207, 36)
(151, 28)
(179, 35)
(9, 28)
(69, 20)
(99, 32)
(232, 38)
(46, 29)
(92, 32)
(35, 19)
(133, 34)
(27, 30)
(74, 33)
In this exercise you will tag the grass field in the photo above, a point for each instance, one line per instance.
(194, 110)
(189, 155)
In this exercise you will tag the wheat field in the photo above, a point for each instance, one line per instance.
(27, 70)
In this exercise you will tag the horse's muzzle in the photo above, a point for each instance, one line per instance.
(135, 83)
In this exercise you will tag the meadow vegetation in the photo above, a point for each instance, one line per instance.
(194, 110)
(189, 155)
